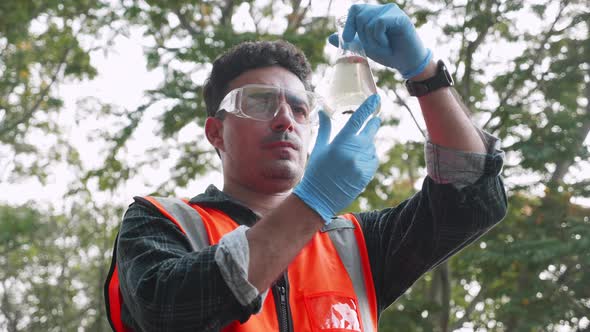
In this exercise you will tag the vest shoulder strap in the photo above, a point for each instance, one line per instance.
(342, 234)
(186, 217)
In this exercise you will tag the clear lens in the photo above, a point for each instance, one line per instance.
(262, 102)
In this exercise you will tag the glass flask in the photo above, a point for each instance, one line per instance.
(351, 80)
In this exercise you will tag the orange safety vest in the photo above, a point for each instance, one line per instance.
(330, 282)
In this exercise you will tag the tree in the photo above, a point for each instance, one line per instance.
(49, 260)
(529, 273)
(43, 44)
(53, 266)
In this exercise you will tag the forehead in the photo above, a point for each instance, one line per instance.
(273, 75)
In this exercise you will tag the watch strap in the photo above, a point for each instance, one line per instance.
(441, 79)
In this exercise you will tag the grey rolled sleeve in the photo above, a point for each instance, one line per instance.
(233, 257)
(459, 168)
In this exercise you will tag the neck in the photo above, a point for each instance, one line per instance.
(259, 202)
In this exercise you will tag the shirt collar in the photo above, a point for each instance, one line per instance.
(217, 199)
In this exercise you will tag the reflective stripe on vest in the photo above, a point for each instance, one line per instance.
(346, 243)
(331, 286)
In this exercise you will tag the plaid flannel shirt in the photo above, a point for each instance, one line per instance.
(168, 287)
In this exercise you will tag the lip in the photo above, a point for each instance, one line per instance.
(281, 144)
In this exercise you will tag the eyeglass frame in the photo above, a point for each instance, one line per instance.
(233, 97)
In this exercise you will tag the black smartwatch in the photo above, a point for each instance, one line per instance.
(441, 79)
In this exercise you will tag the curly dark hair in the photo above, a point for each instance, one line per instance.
(251, 55)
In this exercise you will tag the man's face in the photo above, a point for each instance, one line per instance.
(267, 156)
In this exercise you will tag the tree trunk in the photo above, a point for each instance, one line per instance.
(440, 293)
(445, 276)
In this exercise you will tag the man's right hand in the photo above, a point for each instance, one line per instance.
(339, 171)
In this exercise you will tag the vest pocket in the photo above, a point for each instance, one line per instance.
(333, 312)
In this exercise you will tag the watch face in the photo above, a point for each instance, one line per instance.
(448, 76)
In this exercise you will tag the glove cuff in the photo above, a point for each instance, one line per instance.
(421, 67)
(304, 192)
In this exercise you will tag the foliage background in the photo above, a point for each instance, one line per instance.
(523, 68)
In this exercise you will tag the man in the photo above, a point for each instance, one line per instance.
(267, 252)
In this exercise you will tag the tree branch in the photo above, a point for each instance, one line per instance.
(472, 47)
(296, 17)
(537, 54)
(256, 21)
(184, 22)
(227, 12)
(28, 113)
(403, 104)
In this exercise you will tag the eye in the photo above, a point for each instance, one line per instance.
(298, 105)
(300, 110)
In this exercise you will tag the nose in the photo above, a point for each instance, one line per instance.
(283, 120)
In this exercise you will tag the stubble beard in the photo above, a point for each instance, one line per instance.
(287, 170)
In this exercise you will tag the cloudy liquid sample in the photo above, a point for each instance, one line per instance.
(352, 83)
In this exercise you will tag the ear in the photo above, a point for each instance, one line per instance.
(214, 132)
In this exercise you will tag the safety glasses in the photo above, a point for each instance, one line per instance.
(263, 102)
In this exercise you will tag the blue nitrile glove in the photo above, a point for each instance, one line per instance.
(388, 36)
(337, 172)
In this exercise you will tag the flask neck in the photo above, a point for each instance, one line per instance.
(352, 48)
